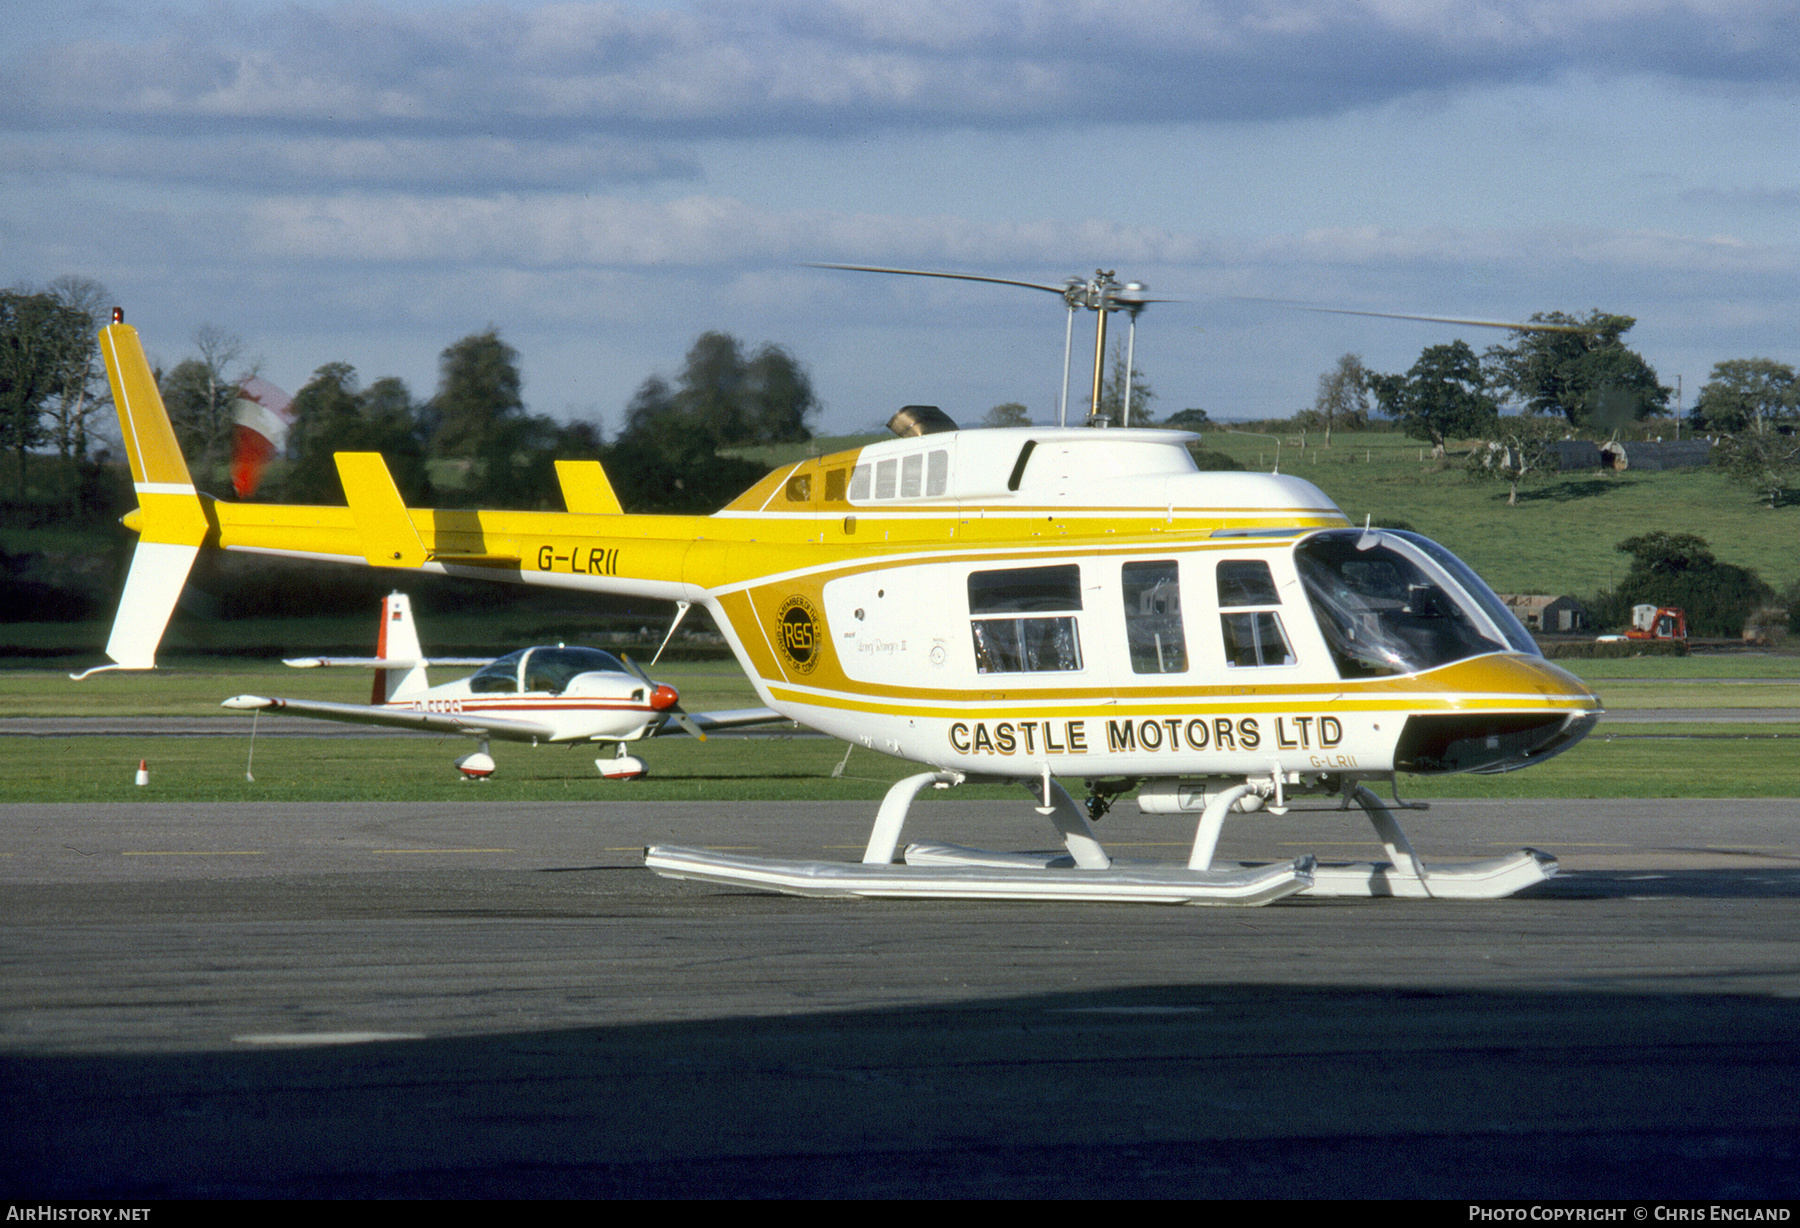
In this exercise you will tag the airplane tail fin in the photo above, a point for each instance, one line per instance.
(171, 519)
(398, 639)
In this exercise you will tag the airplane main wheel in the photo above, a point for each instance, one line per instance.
(625, 767)
(477, 766)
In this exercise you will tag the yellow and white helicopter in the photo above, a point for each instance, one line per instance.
(1028, 604)
(549, 693)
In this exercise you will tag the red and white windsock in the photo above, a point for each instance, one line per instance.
(260, 417)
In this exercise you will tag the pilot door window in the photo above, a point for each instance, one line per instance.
(1253, 635)
(1153, 617)
(1022, 620)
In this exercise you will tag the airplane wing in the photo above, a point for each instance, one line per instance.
(732, 718)
(507, 728)
(384, 662)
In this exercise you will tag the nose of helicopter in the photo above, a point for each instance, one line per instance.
(1510, 710)
(664, 697)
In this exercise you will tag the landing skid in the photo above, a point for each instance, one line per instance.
(1085, 871)
(1404, 874)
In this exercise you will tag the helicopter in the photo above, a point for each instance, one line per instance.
(1028, 605)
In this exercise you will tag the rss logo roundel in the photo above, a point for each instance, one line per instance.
(797, 631)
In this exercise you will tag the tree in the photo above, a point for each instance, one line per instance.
(1747, 394)
(1343, 398)
(200, 393)
(43, 342)
(740, 401)
(79, 411)
(479, 391)
(1579, 369)
(667, 457)
(1112, 392)
(1008, 413)
(1678, 569)
(1191, 419)
(1441, 395)
(1768, 462)
(665, 461)
(1525, 448)
(332, 415)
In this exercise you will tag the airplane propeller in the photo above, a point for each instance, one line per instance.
(664, 699)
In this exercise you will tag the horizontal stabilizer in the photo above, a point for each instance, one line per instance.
(382, 521)
(586, 489)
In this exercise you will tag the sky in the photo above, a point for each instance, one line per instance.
(367, 182)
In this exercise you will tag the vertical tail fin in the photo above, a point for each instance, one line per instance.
(171, 517)
(398, 640)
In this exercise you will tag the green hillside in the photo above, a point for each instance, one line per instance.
(1560, 537)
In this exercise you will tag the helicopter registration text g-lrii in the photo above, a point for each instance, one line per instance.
(1026, 604)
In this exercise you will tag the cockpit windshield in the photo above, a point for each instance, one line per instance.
(1390, 602)
(542, 670)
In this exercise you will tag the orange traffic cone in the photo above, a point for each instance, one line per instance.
(143, 775)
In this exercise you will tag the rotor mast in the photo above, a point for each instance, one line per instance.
(1101, 294)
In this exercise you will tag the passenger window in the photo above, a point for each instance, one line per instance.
(937, 472)
(1255, 639)
(1013, 622)
(912, 476)
(1153, 630)
(1246, 582)
(859, 482)
(884, 478)
(1252, 638)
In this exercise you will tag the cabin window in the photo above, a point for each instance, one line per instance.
(551, 670)
(912, 476)
(937, 472)
(499, 677)
(1022, 619)
(834, 485)
(922, 474)
(799, 488)
(1252, 637)
(1390, 602)
(1153, 630)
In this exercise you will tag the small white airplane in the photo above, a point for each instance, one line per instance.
(549, 693)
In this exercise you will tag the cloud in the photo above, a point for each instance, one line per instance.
(842, 66)
(265, 162)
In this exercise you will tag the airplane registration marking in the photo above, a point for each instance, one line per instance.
(594, 561)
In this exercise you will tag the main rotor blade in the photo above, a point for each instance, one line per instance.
(1394, 315)
(999, 281)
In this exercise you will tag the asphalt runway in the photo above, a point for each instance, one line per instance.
(485, 1000)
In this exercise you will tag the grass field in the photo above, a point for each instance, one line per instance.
(1713, 760)
(1561, 535)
